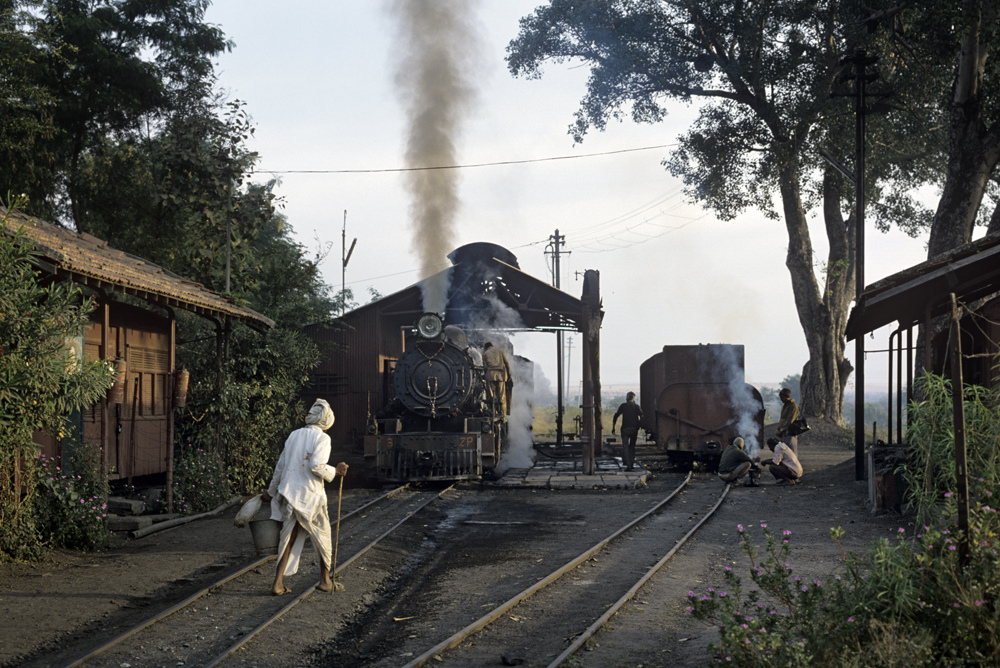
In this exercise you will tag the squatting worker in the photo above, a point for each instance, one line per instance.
(497, 375)
(735, 462)
(631, 415)
(298, 499)
(789, 414)
(785, 466)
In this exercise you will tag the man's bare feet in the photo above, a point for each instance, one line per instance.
(325, 585)
(278, 591)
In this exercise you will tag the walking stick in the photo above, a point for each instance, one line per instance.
(336, 543)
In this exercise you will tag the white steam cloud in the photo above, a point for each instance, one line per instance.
(521, 451)
(741, 399)
(438, 55)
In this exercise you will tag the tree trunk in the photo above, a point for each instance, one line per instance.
(973, 155)
(822, 315)
(973, 147)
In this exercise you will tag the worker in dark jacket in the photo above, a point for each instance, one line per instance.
(631, 416)
(735, 462)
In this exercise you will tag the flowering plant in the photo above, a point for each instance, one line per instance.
(906, 602)
(72, 508)
(201, 482)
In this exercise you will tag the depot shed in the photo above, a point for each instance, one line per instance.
(922, 293)
(487, 290)
(134, 424)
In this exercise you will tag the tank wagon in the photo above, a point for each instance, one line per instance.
(442, 423)
(695, 401)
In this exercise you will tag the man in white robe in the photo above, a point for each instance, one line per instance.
(298, 498)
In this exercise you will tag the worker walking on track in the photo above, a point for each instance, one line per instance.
(298, 498)
(631, 416)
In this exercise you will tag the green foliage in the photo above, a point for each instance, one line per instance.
(544, 423)
(72, 507)
(200, 481)
(26, 130)
(119, 65)
(930, 471)
(794, 383)
(905, 603)
(142, 152)
(248, 420)
(763, 75)
(41, 382)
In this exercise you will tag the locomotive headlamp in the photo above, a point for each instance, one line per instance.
(430, 325)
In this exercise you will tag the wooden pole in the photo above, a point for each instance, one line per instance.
(958, 407)
(336, 541)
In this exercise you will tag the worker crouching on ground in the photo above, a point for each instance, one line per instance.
(735, 462)
(298, 498)
(785, 466)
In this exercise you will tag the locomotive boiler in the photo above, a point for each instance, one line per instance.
(695, 401)
(443, 422)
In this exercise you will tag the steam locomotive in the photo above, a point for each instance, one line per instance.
(443, 423)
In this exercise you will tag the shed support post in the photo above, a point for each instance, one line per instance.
(958, 411)
(171, 416)
(592, 426)
(587, 400)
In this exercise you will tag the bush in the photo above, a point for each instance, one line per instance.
(72, 509)
(930, 471)
(907, 602)
(248, 420)
(200, 481)
(40, 383)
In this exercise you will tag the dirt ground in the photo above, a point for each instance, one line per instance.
(73, 595)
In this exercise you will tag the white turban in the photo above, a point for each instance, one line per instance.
(738, 442)
(320, 415)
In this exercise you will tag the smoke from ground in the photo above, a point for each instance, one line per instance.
(438, 56)
(742, 402)
(490, 322)
(521, 452)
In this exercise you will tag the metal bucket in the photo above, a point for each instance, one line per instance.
(265, 536)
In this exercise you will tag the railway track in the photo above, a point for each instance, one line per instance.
(216, 621)
(569, 605)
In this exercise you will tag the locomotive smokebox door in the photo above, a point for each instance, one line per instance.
(434, 383)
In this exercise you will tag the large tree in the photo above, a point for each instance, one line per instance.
(962, 36)
(766, 75)
(95, 69)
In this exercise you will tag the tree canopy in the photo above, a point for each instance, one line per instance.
(772, 81)
(115, 128)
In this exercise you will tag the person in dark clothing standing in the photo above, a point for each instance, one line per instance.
(630, 414)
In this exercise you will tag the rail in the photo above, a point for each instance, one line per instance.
(503, 608)
(215, 585)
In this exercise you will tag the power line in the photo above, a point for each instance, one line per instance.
(469, 166)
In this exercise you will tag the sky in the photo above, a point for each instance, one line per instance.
(319, 80)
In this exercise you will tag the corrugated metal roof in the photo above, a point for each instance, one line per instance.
(971, 272)
(88, 260)
(539, 305)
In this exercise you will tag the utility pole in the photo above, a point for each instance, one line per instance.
(861, 60)
(345, 257)
(569, 360)
(556, 241)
